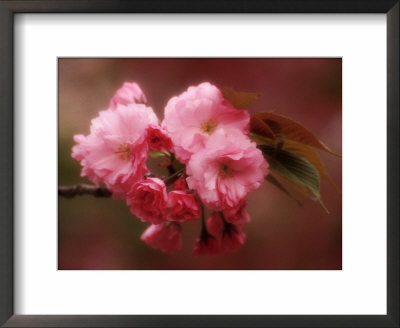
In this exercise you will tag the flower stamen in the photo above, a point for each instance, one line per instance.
(225, 171)
(209, 127)
(124, 151)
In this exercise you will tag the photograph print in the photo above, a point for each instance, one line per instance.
(199, 163)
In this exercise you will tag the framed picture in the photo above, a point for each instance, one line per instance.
(214, 162)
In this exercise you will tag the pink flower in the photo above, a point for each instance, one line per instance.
(165, 236)
(180, 184)
(148, 200)
(158, 139)
(128, 93)
(229, 235)
(206, 246)
(182, 206)
(195, 115)
(226, 170)
(81, 150)
(115, 151)
(237, 215)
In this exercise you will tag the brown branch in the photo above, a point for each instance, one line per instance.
(102, 191)
(83, 189)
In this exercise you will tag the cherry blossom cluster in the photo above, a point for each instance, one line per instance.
(212, 165)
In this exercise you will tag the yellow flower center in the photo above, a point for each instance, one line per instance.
(209, 127)
(124, 151)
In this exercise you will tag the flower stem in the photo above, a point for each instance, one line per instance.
(228, 226)
(204, 235)
(170, 167)
(203, 220)
(221, 214)
(173, 177)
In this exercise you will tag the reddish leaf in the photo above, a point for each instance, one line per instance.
(241, 100)
(260, 128)
(292, 130)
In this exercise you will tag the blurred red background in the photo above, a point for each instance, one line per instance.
(96, 233)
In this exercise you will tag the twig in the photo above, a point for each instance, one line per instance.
(83, 189)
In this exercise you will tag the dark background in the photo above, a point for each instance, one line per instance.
(102, 234)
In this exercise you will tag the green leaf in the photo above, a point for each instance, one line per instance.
(293, 168)
(271, 179)
(302, 150)
(241, 100)
(159, 154)
(310, 155)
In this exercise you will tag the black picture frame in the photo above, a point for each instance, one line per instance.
(11, 7)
